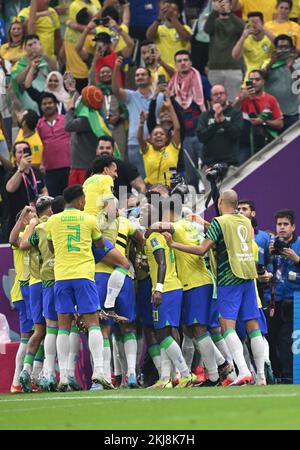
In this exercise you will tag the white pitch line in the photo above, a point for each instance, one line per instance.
(148, 397)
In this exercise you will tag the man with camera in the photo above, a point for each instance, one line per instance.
(280, 79)
(219, 129)
(160, 71)
(285, 266)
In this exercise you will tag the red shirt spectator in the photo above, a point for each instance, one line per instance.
(262, 103)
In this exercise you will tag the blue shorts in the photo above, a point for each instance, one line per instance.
(99, 253)
(238, 301)
(26, 323)
(80, 292)
(49, 309)
(125, 300)
(26, 297)
(214, 321)
(196, 305)
(36, 303)
(169, 311)
(262, 323)
(143, 302)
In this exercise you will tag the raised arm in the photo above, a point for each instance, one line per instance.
(142, 141)
(117, 90)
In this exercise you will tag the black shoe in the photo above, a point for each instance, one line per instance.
(110, 314)
(208, 383)
(224, 370)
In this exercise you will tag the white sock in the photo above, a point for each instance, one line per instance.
(96, 349)
(154, 352)
(116, 358)
(175, 354)
(188, 350)
(114, 286)
(50, 350)
(130, 347)
(140, 348)
(267, 351)
(207, 349)
(236, 349)
(165, 365)
(106, 359)
(19, 361)
(258, 351)
(122, 355)
(63, 348)
(222, 347)
(74, 350)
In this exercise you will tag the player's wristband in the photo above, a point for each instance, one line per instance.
(159, 287)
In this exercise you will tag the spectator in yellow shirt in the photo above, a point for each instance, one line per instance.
(155, 64)
(255, 44)
(12, 51)
(169, 33)
(43, 21)
(108, 26)
(266, 7)
(282, 24)
(159, 154)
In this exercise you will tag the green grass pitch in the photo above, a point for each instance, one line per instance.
(251, 407)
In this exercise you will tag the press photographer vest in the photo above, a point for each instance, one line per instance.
(237, 232)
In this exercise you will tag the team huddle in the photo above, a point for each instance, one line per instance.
(144, 277)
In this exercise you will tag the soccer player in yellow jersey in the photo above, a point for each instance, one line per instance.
(71, 234)
(166, 302)
(101, 203)
(17, 297)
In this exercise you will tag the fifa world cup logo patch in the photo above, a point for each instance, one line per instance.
(242, 233)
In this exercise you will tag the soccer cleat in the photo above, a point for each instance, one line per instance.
(242, 381)
(52, 383)
(96, 387)
(226, 382)
(16, 389)
(74, 385)
(269, 373)
(62, 387)
(132, 382)
(110, 314)
(25, 381)
(161, 384)
(186, 382)
(118, 380)
(43, 384)
(200, 374)
(105, 383)
(261, 381)
(224, 369)
(208, 383)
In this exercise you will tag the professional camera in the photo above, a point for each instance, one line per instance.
(279, 245)
(260, 268)
(177, 184)
(217, 172)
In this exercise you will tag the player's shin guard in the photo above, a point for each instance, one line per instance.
(207, 349)
(154, 352)
(175, 354)
(114, 286)
(130, 347)
(106, 359)
(258, 351)
(166, 365)
(38, 363)
(63, 349)
(188, 350)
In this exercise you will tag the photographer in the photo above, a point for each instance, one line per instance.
(219, 130)
(285, 266)
(280, 79)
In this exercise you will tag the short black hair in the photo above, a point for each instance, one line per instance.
(48, 95)
(17, 143)
(256, 14)
(31, 119)
(145, 68)
(182, 52)
(58, 204)
(146, 42)
(247, 201)
(290, 2)
(83, 16)
(288, 213)
(30, 37)
(71, 193)
(111, 12)
(107, 139)
(42, 204)
(283, 37)
(101, 162)
(261, 73)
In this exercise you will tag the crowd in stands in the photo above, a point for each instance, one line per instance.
(162, 87)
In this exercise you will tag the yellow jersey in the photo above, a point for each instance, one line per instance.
(125, 228)
(36, 145)
(93, 6)
(256, 54)
(11, 54)
(74, 63)
(118, 40)
(18, 256)
(45, 28)
(191, 269)
(267, 7)
(98, 189)
(72, 233)
(2, 137)
(168, 43)
(158, 163)
(155, 242)
(290, 28)
(160, 70)
(295, 11)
